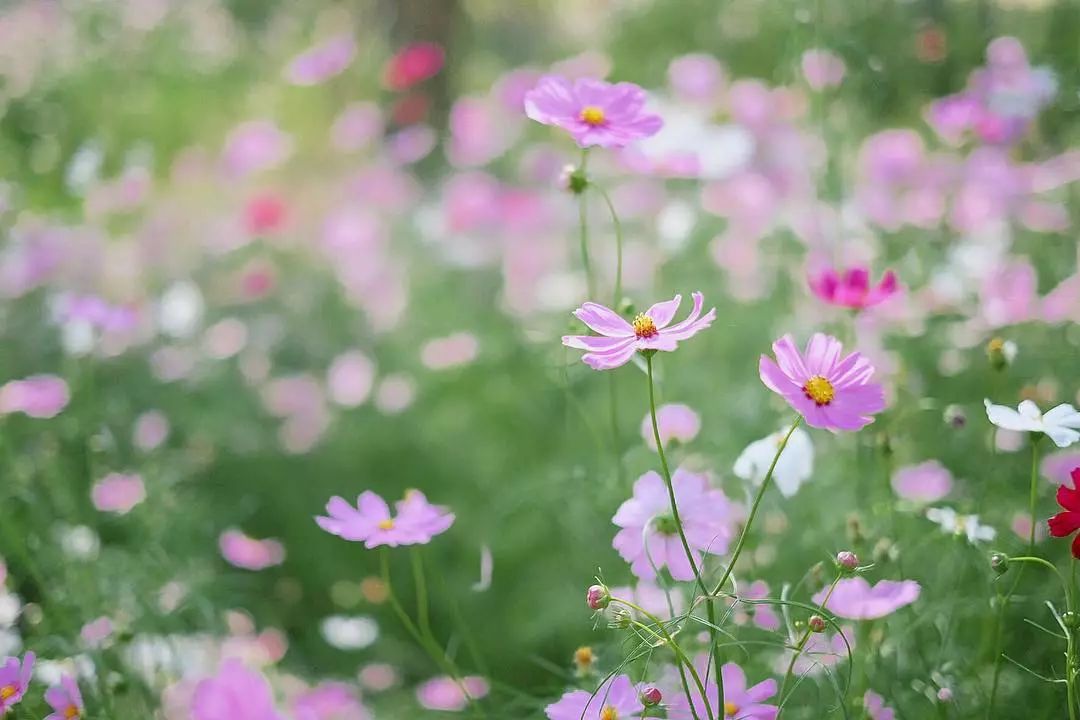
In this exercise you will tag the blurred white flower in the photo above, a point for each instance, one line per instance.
(795, 466)
(956, 524)
(10, 642)
(349, 633)
(180, 309)
(1060, 424)
(79, 542)
(10, 608)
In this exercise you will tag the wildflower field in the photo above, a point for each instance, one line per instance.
(565, 359)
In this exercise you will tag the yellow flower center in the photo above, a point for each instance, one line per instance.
(71, 712)
(730, 709)
(584, 656)
(7, 691)
(644, 327)
(386, 524)
(609, 713)
(820, 390)
(592, 115)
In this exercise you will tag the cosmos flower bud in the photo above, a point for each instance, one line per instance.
(955, 417)
(944, 695)
(1000, 353)
(816, 623)
(619, 618)
(598, 597)
(847, 561)
(573, 179)
(999, 562)
(1070, 620)
(651, 696)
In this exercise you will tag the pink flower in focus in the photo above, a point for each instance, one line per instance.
(618, 698)
(855, 599)
(675, 421)
(650, 330)
(118, 493)
(822, 69)
(413, 64)
(248, 553)
(65, 700)
(235, 693)
(416, 523)
(322, 62)
(330, 701)
(649, 537)
(592, 111)
(830, 390)
(875, 707)
(852, 288)
(38, 396)
(444, 693)
(925, 483)
(14, 680)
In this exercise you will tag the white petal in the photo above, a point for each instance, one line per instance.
(1063, 437)
(1064, 415)
(1008, 418)
(1030, 410)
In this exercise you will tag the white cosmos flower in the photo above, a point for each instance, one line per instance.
(794, 467)
(957, 524)
(1060, 424)
(349, 632)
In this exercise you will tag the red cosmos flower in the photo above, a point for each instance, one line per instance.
(1068, 521)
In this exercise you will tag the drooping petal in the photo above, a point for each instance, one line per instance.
(603, 320)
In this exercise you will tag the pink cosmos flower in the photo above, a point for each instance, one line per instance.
(413, 64)
(875, 707)
(65, 700)
(652, 598)
(255, 146)
(740, 702)
(235, 693)
(926, 482)
(852, 288)
(592, 111)
(96, 632)
(444, 693)
(822, 69)
(248, 553)
(855, 599)
(118, 493)
(370, 522)
(451, 351)
(265, 214)
(14, 680)
(650, 330)
(322, 62)
(150, 431)
(616, 698)
(676, 422)
(330, 701)
(38, 396)
(830, 390)
(350, 378)
(762, 615)
(1057, 467)
(649, 536)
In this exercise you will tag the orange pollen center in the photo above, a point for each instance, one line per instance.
(7, 691)
(820, 390)
(387, 524)
(644, 327)
(609, 713)
(730, 709)
(592, 115)
(583, 656)
(71, 712)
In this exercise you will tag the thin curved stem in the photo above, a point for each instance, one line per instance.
(618, 244)
(680, 655)
(800, 646)
(583, 230)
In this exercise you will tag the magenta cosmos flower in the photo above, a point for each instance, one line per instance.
(650, 330)
(371, 522)
(830, 390)
(855, 599)
(65, 700)
(235, 693)
(249, 553)
(616, 699)
(14, 679)
(740, 702)
(592, 111)
(649, 537)
(851, 289)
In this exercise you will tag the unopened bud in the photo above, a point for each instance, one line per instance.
(573, 179)
(847, 561)
(955, 417)
(651, 696)
(619, 618)
(597, 597)
(944, 695)
(999, 562)
(816, 623)
(1070, 620)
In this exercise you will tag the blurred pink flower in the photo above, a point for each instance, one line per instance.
(322, 62)
(38, 396)
(371, 522)
(15, 677)
(696, 77)
(649, 538)
(265, 214)
(851, 289)
(480, 131)
(150, 431)
(822, 651)
(830, 390)
(822, 69)
(254, 146)
(1021, 527)
(592, 111)
(377, 677)
(650, 330)
(118, 493)
(65, 700)
(411, 144)
(761, 614)
(1057, 466)
(395, 394)
(675, 421)
(444, 693)
(652, 598)
(248, 553)
(925, 483)
(350, 378)
(357, 126)
(413, 64)
(1008, 294)
(329, 701)
(616, 697)
(875, 707)
(855, 599)
(96, 632)
(450, 351)
(235, 693)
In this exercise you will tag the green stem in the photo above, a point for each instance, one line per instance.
(618, 245)
(1072, 662)
(583, 230)
(799, 647)
(422, 613)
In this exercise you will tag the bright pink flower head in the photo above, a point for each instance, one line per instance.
(118, 493)
(852, 288)
(371, 522)
(592, 111)
(330, 701)
(875, 707)
(830, 390)
(65, 700)
(235, 693)
(14, 680)
(446, 694)
(1067, 521)
(649, 537)
(855, 599)
(248, 553)
(926, 482)
(616, 698)
(413, 64)
(740, 702)
(38, 396)
(650, 330)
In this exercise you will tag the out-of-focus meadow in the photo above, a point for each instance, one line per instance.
(256, 254)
